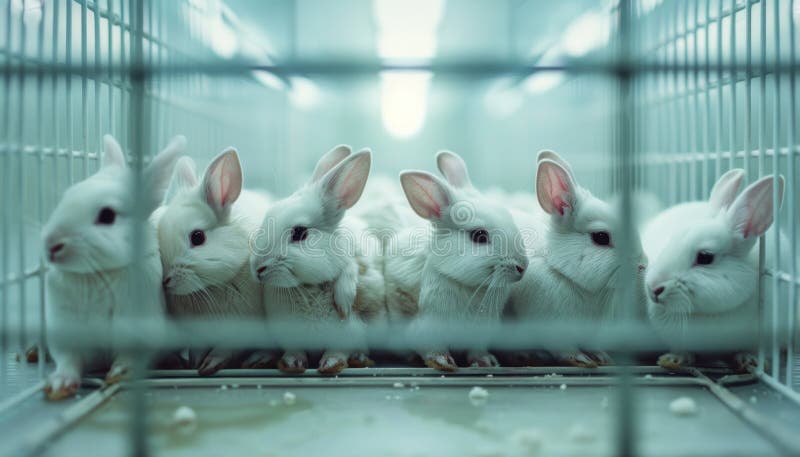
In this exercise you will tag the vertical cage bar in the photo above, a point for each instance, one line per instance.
(695, 192)
(98, 80)
(675, 191)
(626, 423)
(686, 126)
(68, 81)
(707, 96)
(720, 87)
(21, 191)
(733, 77)
(762, 135)
(791, 197)
(110, 60)
(6, 170)
(748, 76)
(84, 90)
(138, 141)
(54, 105)
(776, 142)
(40, 342)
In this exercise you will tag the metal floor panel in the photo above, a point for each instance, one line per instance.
(369, 416)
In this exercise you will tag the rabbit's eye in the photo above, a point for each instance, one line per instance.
(197, 238)
(106, 216)
(299, 233)
(704, 258)
(601, 238)
(479, 236)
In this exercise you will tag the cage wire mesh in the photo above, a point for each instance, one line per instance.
(676, 94)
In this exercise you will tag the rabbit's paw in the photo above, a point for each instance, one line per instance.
(293, 362)
(481, 359)
(214, 361)
(119, 371)
(601, 357)
(440, 360)
(675, 361)
(745, 362)
(360, 360)
(576, 359)
(61, 385)
(332, 362)
(260, 360)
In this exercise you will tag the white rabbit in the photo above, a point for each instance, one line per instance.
(703, 268)
(574, 261)
(316, 267)
(90, 281)
(468, 260)
(204, 235)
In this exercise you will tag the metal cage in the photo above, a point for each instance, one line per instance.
(678, 92)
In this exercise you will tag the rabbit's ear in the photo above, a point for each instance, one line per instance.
(553, 156)
(183, 177)
(222, 182)
(426, 194)
(725, 190)
(112, 153)
(157, 174)
(752, 213)
(453, 168)
(344, 184)
(555, 189)
(330, 160)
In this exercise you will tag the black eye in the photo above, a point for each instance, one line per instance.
(106, 216)
(479, 236)
(601, 238)
(704, 258)
(197, 238)
(299, 233)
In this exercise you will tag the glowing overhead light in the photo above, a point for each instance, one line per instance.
(268, 79)
(224, 41)
(304, 93)
(542, 81)
(404, 101)
(590, 31)
(407, 29)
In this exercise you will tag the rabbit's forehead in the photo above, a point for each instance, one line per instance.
(183, 215)
(708, 235)
(96, 192)
(295, 210)
(594, 215)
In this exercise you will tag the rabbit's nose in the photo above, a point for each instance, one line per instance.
(55, 249)
(166, 281)
(657, 292)
(261, 270)
(520, 269)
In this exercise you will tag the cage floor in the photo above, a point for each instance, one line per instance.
(427, 415)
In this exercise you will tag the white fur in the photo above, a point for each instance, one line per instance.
(460, 280)
(334, 274)
(723, 292)
(91, 279)
(570, 277)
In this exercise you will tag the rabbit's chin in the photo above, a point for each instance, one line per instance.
(280, 279)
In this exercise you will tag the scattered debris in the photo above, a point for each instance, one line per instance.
(753, 399)
(398, 385)
(563, 387)
(223, 387)
(184, 416)
(648, 376)
(289, 398)
(478, 395)
(235, 386)
(490, 375)
(683, 406)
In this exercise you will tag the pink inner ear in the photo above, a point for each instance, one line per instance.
(423, 199)
(556, 189)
